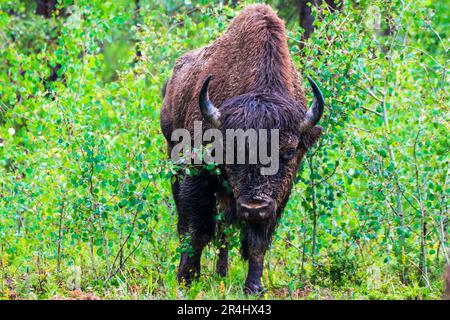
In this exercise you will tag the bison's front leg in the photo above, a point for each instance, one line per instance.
(254, 246)
(189, 267)
(227, 205)
(194, 197)
(255, 268)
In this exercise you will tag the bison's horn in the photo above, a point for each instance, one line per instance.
(209, 111)
(315, 112)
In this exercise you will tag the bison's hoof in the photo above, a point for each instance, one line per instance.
(254, 288)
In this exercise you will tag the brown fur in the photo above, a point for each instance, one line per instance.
(254, 86)
(253, 53)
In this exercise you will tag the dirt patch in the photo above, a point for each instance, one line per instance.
(77, 294)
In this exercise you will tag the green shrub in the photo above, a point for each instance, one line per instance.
(85, 199)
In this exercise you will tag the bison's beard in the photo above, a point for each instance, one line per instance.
(256, 239)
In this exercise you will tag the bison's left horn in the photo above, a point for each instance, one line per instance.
(209, 111)
(315, 112)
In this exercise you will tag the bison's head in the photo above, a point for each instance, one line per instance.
(260, 197)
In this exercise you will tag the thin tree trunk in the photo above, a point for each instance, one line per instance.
(447, 283)
(137, 19)
(45, 7)
(423, 216)
(305, 16)
(314, 203)
(443, 220)
(61, 219)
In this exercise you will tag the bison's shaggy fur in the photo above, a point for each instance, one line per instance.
(251, 56)
(255, 86)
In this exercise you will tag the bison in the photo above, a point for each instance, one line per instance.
(245, 79)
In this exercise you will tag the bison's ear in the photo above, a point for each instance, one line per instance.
(209, 111)
(310, 138)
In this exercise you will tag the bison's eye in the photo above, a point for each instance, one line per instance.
(288, 154)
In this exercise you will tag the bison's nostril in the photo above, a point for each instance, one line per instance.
(256, 210)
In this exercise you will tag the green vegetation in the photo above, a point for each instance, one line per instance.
(85, 201)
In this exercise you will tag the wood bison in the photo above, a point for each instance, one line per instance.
(245, 79)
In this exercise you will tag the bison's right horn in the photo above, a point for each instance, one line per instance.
(209, 111)
(315, 112)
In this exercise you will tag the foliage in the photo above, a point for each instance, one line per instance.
(85, 199)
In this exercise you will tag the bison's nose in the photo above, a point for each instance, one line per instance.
(255, 211)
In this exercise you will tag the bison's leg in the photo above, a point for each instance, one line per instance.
(196, 209)
(222, 262)
(189, 267)
(255, 268)
(227, 205)
(255, 243)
